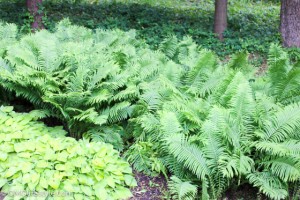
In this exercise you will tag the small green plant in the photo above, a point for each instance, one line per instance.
(182, 190)
(37, 158)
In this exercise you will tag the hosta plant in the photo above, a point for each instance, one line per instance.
(34, 157)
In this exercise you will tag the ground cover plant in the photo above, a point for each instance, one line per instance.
(179, 110)
(253, 25)
(34, 157)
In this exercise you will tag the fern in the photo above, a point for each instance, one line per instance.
(268, 184)
(182, 190)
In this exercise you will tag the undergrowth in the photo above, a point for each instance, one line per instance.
(210, 124)
(252, 26)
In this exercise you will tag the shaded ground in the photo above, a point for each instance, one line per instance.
(155, 188)
(152, 188)
(244, 192)
(251, 29)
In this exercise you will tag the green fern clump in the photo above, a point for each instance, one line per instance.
(216, 123)
(37, 158)
(86, 79)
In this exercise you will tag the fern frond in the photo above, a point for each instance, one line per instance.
(286, 148)
(201, 70)
(287, 168)
(170, 124)
(268, 184)
(182, 190)
(283, 124)
(169, 46)
(189, 155)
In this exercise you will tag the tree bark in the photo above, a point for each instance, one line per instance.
(290, 23)
(33, 8)
(220, 23)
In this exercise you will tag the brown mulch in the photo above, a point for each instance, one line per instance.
(149, 188)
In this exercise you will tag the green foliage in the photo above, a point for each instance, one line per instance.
(34, 157)
(181, 190)
(252, 25)
(84, 79)
(209, 123)
(213, 123)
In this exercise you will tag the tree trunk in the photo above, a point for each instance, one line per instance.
(33, 8)
(290, 23)
(220, 24)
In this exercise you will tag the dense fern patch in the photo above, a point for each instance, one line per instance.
(210, 124)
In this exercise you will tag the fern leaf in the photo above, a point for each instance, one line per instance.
(268, 184)
(182, 190)
(283, 124)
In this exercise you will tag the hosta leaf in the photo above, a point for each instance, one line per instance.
(130, 181)
(86, 190)
(3, 181)
(3, 156)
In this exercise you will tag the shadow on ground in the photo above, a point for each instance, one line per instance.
(155, 23)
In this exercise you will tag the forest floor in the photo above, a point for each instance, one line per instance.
(149, 187)
(155, 188)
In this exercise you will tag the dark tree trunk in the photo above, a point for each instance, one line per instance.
(220, 24)
(33, 8)
(290, 23)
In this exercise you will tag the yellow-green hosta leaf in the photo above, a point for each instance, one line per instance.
(6, 109)
(49, 154)
(24, 146)
(110, 181)
(43, 182)
(17, 135)
(26, 167)
(19, 147)
(63, 156)
(102, 152)
(7, 147)
(79, 161)
(86, 190)
(121, 193)
(85, 180)
(56, 145)
(9, 122)
(3, 181)
(86, 169)
(3, 156)
(41, 148)
(54, 183)
(11, 171)
(99, 175)
(60, 167)
(42, 164)
(79, 196)
(98, 162)
(130, 181)
(71, 187)
(75, 150)
(100, 190)
(17, 187)
(24, 154)
(66, 173)
(31, 179)
(2, 137)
